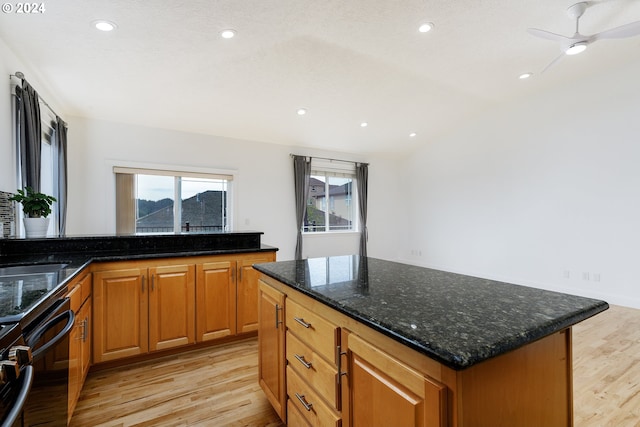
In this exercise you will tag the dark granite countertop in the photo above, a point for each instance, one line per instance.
(455, 319)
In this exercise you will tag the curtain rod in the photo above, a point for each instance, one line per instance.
(20, 75)
(331, 160)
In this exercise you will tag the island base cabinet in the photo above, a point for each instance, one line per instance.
(379, 390)
(528, 387)
(271, 355)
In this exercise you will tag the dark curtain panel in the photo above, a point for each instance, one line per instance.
(29, 135)
(362, 179)
(301, 174)
(61, 148)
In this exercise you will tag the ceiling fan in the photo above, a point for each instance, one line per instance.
(579, 42)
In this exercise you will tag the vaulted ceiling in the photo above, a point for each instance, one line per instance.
(345, 61)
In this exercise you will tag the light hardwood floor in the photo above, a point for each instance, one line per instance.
(218, 386)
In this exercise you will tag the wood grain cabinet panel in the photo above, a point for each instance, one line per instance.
(313, 329)
(247, 291)
(121, 314)
(309, 403)
(215, 300)
(382, 391)
(171, 306)
(271, 338)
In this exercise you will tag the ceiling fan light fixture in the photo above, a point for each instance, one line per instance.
(576, 48)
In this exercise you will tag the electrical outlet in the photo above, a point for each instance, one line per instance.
(596, 277)
(585, 275)
(566, 274)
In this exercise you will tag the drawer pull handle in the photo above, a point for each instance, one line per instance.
(302, 322)
(306, 405)
(301, 360)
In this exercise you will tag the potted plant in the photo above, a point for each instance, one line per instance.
(36, 207)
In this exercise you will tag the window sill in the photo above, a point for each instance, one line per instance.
(329, 233)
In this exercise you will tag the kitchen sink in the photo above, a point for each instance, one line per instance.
(22, 270)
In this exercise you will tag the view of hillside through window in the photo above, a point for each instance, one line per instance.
(330, 202)
(202, 208)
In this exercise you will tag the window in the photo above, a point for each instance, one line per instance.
(145, 202)
(331, 189)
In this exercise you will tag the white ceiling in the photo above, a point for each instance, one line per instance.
(346, 61)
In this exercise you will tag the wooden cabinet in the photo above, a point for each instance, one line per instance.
(382, 382)
(120, 313)
(271, 339)
(215, 300)
(312, 346)
(137, 310)
(379, 390)
(247, 291)
(227, 295)
(153, 305)
(79, 338)
(171, 306)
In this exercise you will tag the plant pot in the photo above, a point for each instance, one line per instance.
(36, 227)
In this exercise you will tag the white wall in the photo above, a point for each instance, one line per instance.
(540, 192)
(263, 186)
(9, 64)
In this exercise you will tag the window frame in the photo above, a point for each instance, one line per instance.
(177, 172)
(329, 168)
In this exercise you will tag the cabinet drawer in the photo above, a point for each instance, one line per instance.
(313, 369)
(295, 417)
(313, 330)
(316, 412)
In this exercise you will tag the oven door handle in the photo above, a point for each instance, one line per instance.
(39, 332)
(21, 398)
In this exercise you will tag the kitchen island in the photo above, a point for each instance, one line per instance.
(417, 346)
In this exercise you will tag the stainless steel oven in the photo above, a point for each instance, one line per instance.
(35, 389)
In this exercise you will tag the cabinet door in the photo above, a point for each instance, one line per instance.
(85, 340)
(171, 306)
(247, 292)
(271, 356)
(215, 300)
(120, 326)
(74, 351)
(381, 391)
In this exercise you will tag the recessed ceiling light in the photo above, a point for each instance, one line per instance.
(412, 135)
(576, 48)
(227, 34)
(302, 111)
(103, 25)
(525, 76)
(426, 27)
(364, 124)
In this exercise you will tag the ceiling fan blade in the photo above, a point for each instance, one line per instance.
(558, 58)
(547, 35)
(629, 30)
